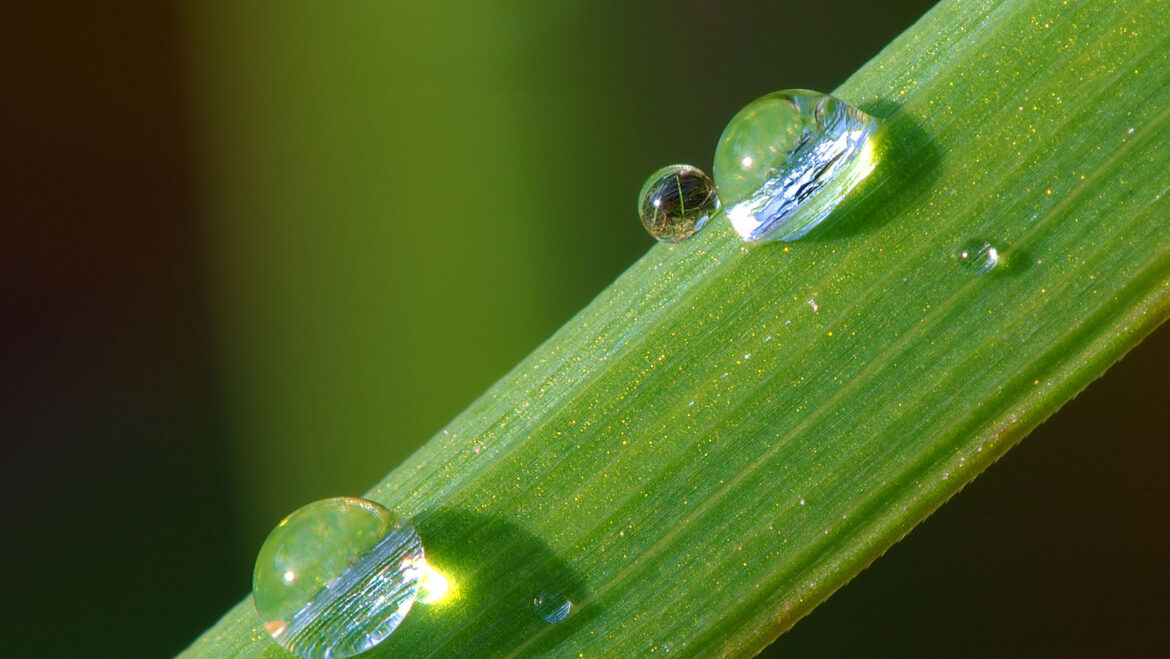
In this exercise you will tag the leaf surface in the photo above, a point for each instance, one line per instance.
(726, 435)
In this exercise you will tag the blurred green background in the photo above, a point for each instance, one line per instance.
(260, 252)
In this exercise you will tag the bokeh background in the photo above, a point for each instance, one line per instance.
(256, 253)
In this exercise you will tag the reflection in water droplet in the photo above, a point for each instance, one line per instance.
(551, 606)
(787, 159)
(978, 256)
(676, 201)
(336, 577)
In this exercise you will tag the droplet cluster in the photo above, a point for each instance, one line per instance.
(782, 164)
(337, 577)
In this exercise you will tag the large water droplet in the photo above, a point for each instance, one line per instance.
(336, 577)
(978, 256)
(787, 159)
(551, 606)
(676, 201)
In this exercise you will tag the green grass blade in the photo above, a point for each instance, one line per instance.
(727, 435)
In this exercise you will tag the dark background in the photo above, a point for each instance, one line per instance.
(255, 254)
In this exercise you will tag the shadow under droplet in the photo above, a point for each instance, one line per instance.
(906, 163)
(1015, 261)
(496, 570)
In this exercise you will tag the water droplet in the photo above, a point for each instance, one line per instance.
(336, 577)
(676, 201)
(787, 159)
(551, 606)
(978, 256)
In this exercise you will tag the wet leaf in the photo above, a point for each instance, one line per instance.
(727, 435)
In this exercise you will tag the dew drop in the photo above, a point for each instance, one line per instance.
(787, 159)
(336, 577)
(978, 256)
(676, 201)
(551, 606)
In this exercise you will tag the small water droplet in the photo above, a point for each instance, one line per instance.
(676, 201)
(336, 577)
(978, 256)
(787, 159)
(551, 606)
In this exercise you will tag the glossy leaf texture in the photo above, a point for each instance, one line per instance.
(727, 435)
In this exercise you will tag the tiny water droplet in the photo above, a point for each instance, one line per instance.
(336, 577)
(676, 201)
(551, 606)
(978, 256)
(787, 159)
